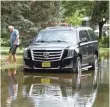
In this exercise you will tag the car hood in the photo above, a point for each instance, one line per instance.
(46, 45)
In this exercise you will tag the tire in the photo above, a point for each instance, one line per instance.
(27, 70)
(95, 60)
(77, 68)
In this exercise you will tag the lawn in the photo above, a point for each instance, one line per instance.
(3, 59)
(5, 50)
(4, 55)
(104, 51)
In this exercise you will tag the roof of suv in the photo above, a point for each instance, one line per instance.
(67, 28)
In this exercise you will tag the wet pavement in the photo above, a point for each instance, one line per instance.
(51, 89)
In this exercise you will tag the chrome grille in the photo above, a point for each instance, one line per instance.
(53, 55)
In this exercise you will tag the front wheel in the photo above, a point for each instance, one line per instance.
(77, 67)
(95, 63)
(27, 70)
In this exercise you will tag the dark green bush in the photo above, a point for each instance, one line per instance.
(5, 34)
(104, 42)
(5, 38)
(5, 42)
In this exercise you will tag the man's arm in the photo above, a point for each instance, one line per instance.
(17, 37)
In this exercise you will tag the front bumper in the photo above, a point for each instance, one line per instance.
(64, 64)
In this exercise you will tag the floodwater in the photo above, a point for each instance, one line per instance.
(51, 89)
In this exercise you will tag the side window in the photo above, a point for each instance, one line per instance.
(83, 34)
(92, 35)
(80, 35)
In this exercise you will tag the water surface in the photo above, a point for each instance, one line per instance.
(51, 89)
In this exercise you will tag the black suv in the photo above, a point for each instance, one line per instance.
(62, 48)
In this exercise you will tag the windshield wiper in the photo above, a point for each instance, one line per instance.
(51, 41)
(58, 41)
(42, 41)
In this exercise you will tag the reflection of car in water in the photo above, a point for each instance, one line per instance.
(59, 90)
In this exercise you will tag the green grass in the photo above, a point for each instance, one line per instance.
(8, 66)
(4, 55)
(104, 51)
(5, 50)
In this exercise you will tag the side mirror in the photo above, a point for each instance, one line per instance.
(31, 40)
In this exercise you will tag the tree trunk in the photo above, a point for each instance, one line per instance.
(94, 17)
(101, 23)
(100, 29)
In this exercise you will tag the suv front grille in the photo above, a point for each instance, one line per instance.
(46, 55)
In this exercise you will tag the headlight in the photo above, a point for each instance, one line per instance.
(70, 53)
(26, 52)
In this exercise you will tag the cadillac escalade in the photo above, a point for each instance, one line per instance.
(62, 48)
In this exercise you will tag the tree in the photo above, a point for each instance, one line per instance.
(28, 16)
(98, 11)
(100, 14)
(75, 18)
(76, 10)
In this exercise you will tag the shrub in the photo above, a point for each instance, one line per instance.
(104, 42)
(5, 34)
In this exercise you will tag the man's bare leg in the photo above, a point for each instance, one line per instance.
(14, 58)
(9, 57)
(9, 72)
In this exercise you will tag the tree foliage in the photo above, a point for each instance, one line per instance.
(98, 11)
(85, 7)
(76, 10)
(28, 16)
(100, 14)
(75, 18)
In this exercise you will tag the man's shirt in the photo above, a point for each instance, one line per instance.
(13, 37)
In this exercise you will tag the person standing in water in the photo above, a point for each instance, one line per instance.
(14, 43)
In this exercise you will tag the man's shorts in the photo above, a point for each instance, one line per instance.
(13, 49)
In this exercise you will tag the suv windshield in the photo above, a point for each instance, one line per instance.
(57, 36)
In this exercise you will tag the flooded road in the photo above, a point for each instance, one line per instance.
(52, 89)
